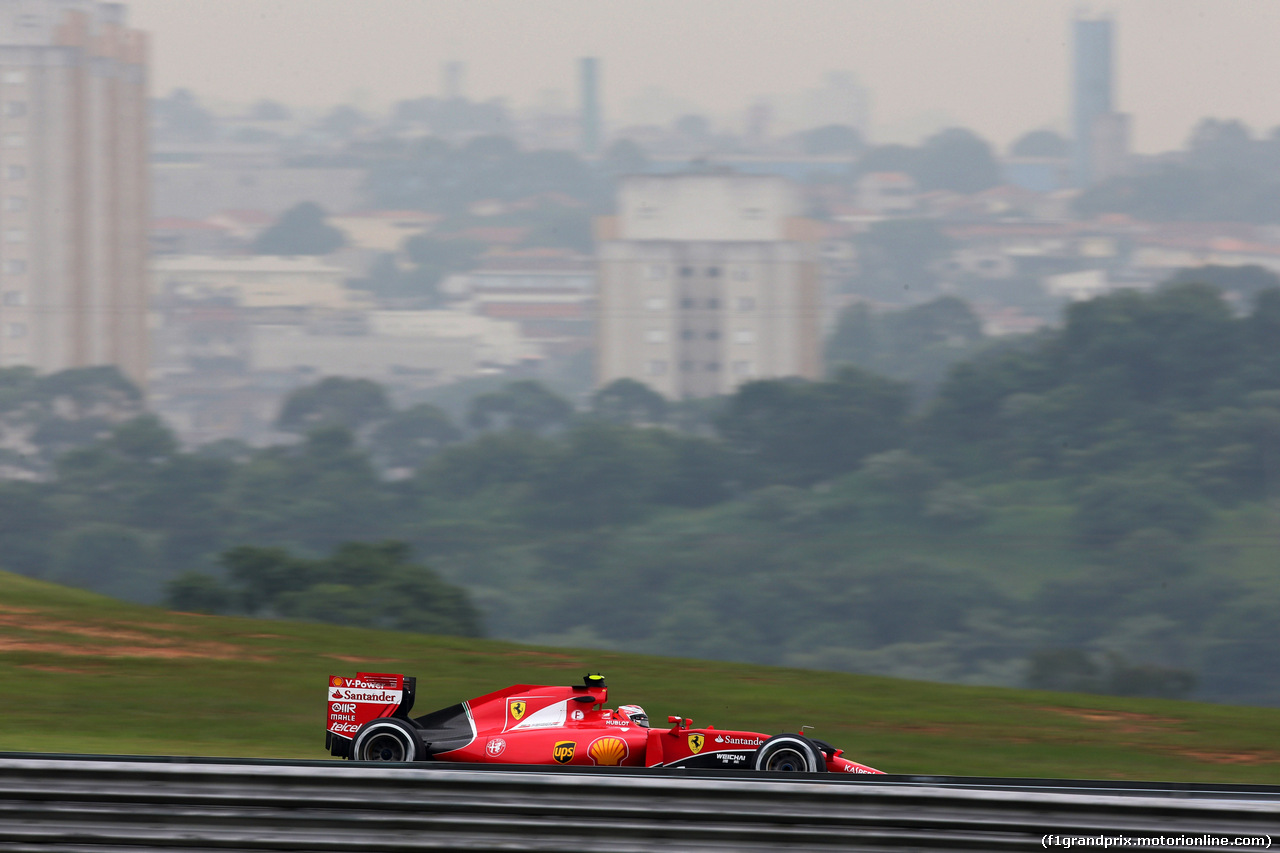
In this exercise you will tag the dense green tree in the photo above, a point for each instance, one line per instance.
(956, 160)
(1115, 507)
(832, 140)
(107, 558)
(410, 437)
(300, 230)
(1041, 143)
(801, 432)
(896, 259)
(524, 405)
(334, 401)
(627, 401)
(917, 345)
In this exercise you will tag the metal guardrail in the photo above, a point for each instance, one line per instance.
(115, 804)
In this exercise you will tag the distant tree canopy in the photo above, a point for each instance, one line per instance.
(1041, 143)
(896, 259)
(832, 140)
(334, 401)
(917, 345)
(955, 159)
(301, 230)
(368, 585)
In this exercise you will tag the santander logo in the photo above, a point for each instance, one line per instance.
(495, 747)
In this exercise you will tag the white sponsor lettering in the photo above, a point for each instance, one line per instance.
(343, 708)
(737, 741)
(853, 768)
(343, 728)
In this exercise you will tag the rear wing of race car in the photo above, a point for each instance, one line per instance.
(352, 702)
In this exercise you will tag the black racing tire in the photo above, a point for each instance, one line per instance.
(789, 754)
(386, 739)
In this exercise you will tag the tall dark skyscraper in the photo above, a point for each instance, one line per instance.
(1092, 90)
(589, 80)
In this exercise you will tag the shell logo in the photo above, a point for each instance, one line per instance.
(336, 681)
(608, 751)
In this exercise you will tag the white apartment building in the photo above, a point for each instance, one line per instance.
(707, 281)
(73, 187)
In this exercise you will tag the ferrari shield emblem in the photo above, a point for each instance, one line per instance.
(563, 751)
(695, 743)
(517, 709)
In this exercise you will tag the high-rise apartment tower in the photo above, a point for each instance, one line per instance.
(73, 187)
(1091, 91)
(589, 81)
(706, 281)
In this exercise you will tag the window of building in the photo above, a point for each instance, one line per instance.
(14, 140)
(656, 272)
(656, 336)
(15, 235)
(647, 211)
(713, 272)
(686, 303)
(713, 366)
(753, 213)
(744, 336)
(16, 330)
(15, 76)
(15, 266)
(713, 335)
(686, 271)
(746, 303)
(713, 304)
(655, 303)
(657, 368)
(742, 273)
(743, 368)
(687, 334)
(15, 297)
(686, 366)
(16, 173)
(15, 203)
(15, 109)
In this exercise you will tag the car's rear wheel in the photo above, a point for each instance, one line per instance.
(386, 740)
(789, 754)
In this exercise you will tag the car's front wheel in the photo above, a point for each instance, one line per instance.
(789, 754)
(386, 740)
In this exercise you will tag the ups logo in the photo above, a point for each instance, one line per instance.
(563, 751)
(517, 709)
(696, 742)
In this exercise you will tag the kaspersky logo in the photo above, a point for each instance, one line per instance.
(517, 708)
(696, 742)
(563, 751)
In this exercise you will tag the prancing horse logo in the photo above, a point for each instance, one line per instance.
(517, 709)
(695, 743)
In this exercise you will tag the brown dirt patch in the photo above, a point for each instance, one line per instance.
(8, 608)
(63, 669)
(547, 655)
(352, 659)
(1249, 757)
(217, 651)
(29, 623)
(1122, 722)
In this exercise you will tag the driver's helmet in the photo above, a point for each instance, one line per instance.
(635, 714)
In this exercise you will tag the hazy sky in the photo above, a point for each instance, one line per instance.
(999, 66)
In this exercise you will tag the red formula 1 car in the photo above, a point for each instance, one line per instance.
(536, 724)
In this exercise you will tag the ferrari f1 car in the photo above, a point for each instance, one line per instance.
(536, 724)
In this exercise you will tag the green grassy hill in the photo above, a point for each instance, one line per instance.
(84, 673)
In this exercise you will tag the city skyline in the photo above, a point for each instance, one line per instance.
(1000, 67)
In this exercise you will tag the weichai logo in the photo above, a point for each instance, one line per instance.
(517, 708)
(563, 751)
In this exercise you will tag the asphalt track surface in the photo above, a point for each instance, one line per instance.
(113, 804)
